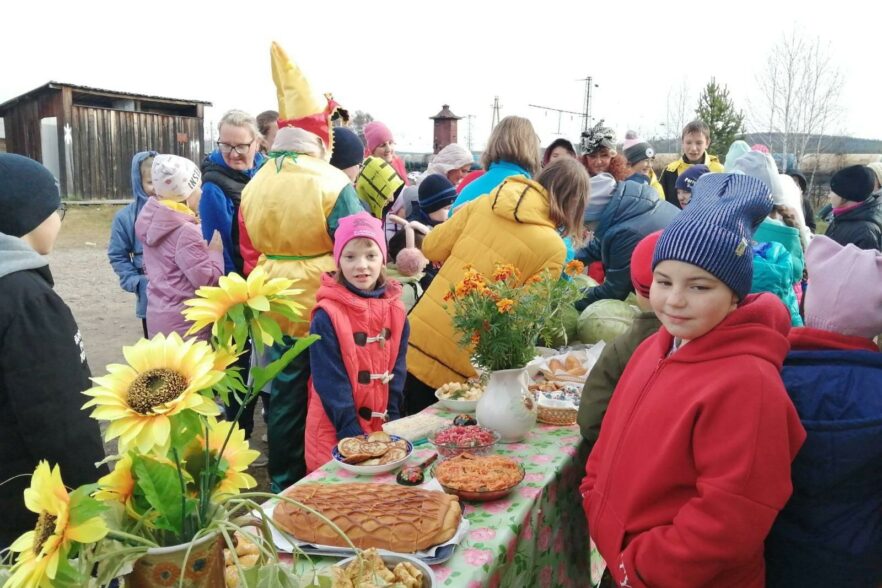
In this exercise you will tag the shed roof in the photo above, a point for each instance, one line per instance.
(86, 89)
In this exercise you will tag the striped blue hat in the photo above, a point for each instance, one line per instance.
(715, 231)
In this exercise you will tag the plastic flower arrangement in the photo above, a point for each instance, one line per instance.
(180, 474)
(501, 317)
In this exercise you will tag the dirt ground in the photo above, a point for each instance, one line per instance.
(104, 312)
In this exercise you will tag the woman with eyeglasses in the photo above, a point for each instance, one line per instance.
(225, 172)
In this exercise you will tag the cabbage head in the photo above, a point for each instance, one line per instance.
(605, 320)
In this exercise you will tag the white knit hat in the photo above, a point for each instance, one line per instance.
(453, 156)
(174, 177)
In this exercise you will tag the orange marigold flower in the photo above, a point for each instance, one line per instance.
(462, 289)
(535, 279)
(503, 272)
(574, 268)
(476, 338)
(448, 296)
(505, 305)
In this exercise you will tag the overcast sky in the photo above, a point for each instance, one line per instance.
(401, 61)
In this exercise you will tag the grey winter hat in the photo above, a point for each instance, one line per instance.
(28, 194)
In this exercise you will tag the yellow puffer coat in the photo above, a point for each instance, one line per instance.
(509, 225)
(285, 212)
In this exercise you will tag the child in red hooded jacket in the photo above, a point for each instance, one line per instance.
(693, 461)
(358, 365)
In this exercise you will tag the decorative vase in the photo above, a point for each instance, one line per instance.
(164, 566)
(507, 405)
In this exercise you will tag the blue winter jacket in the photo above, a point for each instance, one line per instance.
(216, 210)
(633, 212)
(830, 532)
(495, 175)
(124, 249)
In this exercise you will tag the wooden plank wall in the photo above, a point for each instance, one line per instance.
(105, 140)
(22, 124)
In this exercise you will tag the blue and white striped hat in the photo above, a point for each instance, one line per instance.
(715, 231)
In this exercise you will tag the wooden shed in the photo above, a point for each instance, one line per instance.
(87, 136)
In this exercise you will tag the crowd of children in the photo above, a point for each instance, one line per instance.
(735, 429)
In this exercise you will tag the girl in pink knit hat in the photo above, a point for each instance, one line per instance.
(379, 142)
(358, 365)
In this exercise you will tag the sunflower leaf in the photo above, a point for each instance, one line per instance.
(66, 575)
(270, 326)
(263, 375)
(162, 489)
(256, 334)
(240, 326)
(82, 506)
(185, 426)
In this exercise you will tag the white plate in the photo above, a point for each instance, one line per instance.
(393, 559)
(456, 405)
(364, 470)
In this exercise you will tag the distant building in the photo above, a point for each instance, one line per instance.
(87, 136)
(445, 128)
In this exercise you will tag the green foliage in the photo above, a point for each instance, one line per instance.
(716, 108)
(500, 318)
(82, 506)
(162, 489)
(263, 375)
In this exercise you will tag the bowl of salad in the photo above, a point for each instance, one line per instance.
(454, 440)
(460, 396)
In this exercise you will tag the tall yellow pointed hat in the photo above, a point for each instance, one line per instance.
(297, 105)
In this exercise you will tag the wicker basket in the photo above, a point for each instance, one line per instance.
(557, 416)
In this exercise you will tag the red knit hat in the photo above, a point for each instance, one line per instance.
(641, 264)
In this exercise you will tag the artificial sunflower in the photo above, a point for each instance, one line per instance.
(213, 304)
(60, 523)
(118, 485)
(164, 377)
(237, 455)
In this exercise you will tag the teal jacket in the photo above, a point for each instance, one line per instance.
(771, 231)
(773, 272)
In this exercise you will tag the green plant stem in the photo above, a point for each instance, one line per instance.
(122, 536)
(183, 494)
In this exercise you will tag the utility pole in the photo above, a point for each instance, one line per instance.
(495, 119)
(469, 118)
(588, 85)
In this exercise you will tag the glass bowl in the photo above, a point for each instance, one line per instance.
(455, 440)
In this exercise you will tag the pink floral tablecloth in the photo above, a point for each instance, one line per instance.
(536, 536)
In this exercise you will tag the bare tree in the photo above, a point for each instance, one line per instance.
(799, 98)
(678, 111)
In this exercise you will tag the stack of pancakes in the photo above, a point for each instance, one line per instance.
(385, 516)
(375, 449)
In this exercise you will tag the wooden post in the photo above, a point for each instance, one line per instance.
(65, 142)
